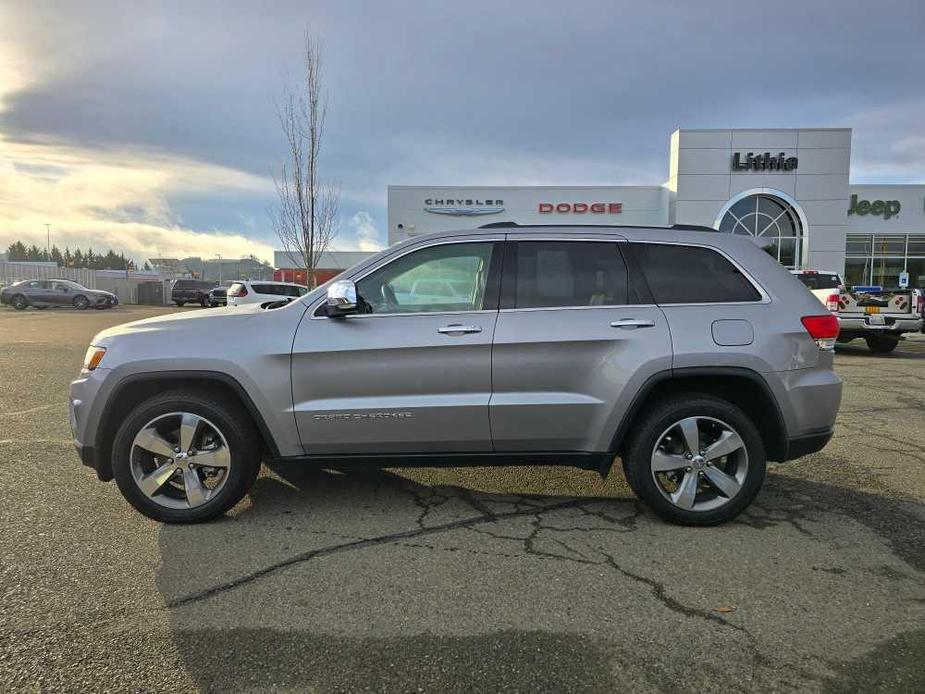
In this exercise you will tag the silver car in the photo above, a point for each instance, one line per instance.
(691, 356)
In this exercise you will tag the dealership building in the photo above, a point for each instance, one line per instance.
(789, 190)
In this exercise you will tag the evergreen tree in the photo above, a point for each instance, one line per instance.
(68, 258)
(147, 266)
(56, 256)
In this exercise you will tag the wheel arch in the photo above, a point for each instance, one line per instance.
(135, 388)
(743, 387)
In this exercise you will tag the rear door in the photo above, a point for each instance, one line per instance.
(413, 373)
(576, 339)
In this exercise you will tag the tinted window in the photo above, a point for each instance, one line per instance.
(819, 280)
(569, 273)
(451, 277)
(690, 274)
(183, 284)
(236, 289)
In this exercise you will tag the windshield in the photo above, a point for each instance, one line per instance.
(819, 280)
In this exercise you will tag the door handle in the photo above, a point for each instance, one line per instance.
(632, 323)
(457, 328)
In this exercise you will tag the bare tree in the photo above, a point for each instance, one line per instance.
(306, 219)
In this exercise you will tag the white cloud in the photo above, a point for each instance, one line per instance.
(115, 199)
(887, 144)
(367, 237)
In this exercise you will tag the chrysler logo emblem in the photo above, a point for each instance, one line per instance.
(463, 207)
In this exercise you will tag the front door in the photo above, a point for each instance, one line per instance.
(576, 339)
(412, 373)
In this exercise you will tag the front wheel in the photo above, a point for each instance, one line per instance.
(695, 459)
(180, 304)
(881, 345)
(185, 456)
(81, 302)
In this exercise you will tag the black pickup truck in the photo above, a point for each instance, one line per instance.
(191, 292)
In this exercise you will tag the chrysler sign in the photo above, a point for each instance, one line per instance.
(467, 207)
(580, 207)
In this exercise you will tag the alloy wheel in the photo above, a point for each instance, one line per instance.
(699, 463)
(180, 460)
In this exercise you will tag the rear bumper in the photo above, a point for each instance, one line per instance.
(892, 325)
(799, 446)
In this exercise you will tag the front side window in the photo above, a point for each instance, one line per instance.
(691, 275)
(451, 277)
(569, 273)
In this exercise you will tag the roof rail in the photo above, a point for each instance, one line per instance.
(677, 227)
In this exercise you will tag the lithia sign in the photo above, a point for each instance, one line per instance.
(763, 162)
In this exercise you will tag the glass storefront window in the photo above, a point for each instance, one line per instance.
(879, 258)
(857, 271)
(889, 245)
(858, 244)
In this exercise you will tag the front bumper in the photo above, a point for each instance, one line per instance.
(83, 390)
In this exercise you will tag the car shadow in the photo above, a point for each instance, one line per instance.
(236, 589)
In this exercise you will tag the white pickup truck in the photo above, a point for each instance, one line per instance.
(878, 315)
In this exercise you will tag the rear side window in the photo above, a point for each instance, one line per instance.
(568, 273)
(183, 284)
(236, 289)
(690, 275)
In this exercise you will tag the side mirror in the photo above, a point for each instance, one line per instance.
(342, 299)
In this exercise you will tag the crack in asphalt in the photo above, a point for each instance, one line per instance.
(420, 531)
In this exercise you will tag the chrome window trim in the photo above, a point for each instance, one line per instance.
(388, 260)
(578, 308)
(493, 238)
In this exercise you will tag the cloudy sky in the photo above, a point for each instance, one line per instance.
(151, 128)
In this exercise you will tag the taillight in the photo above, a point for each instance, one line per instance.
(920, 304)
(823, 329)
(831, 303)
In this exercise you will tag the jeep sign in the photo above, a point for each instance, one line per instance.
(878, 208)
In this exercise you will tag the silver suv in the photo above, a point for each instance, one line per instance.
(691, 356)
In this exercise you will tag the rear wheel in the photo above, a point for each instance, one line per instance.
(881, 345)
(695, 459)
(185, 456)
(180, 304)
(81, 302)
(19, 302)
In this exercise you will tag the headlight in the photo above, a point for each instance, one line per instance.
(93, 357)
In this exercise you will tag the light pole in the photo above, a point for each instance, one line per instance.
(219, 256)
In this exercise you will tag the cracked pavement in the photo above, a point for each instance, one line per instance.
(512, 579)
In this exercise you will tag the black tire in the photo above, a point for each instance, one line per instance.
(204, 302)
(81, 303)
(41, 308)
(180, 304)
(230, 418)
(649, 428)
(19, 302)
(881, 345)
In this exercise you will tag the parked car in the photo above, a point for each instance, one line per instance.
(191, 292)
(263, 291)
(218, 296)
(694, 357)
(55, 292)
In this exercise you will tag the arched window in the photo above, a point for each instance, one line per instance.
(770, 221)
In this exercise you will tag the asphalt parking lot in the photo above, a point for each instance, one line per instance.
(460, 580)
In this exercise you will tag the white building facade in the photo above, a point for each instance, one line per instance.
(789, 190)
